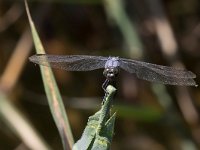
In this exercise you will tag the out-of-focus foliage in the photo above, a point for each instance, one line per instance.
(149, 116)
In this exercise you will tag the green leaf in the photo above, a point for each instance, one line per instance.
(99, 130)
(54, 98)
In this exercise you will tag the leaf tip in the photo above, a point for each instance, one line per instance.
(27, 11)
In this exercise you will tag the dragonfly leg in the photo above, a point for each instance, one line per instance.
(105, 84)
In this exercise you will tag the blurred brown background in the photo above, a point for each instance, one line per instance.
(149, 115)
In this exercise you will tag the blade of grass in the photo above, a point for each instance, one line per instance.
(54, 98)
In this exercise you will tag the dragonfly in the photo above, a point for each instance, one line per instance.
(112, 65)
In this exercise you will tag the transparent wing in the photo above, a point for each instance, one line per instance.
(70, 62)
(158, 73)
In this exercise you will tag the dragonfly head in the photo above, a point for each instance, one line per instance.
(111, 73)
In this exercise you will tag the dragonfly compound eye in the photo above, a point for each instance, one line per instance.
(110, 74)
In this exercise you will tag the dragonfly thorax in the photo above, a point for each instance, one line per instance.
(111, 68)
